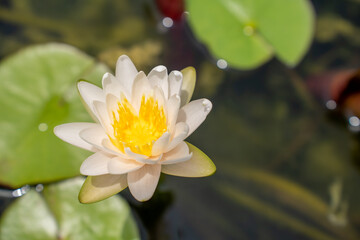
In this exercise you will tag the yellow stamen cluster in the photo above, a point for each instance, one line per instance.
(138, 131)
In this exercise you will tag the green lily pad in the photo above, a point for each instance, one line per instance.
(38, 92)
(247, 33)
(57, 214)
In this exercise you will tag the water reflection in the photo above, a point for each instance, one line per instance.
(222, 64)
(338, 210)
(248, 30)
(331, 105)
(167, 22)
(5, 193)
(43, 127)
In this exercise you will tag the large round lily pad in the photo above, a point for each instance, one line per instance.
(247, 33)
(57, 214)
(38, 92)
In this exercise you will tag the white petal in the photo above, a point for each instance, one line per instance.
(175, 82)
(181, 132)
(119, 165)
(111, 85)
(152, 160)
(158, 78)
(94, 136)
(136, 156)
(96, 164)
(160, 98)
(161, 144)
(188, 85)
(142, 158)
(125, 72)
(110, 148)
(177, 155)
(143, 182)
(173, 106)
(69, 132)
(101, 111)
(141, 87)
(90, 93)
(194, 113)
(112, 107)
(199, 165)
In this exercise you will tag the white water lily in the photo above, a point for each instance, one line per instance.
(141, 124)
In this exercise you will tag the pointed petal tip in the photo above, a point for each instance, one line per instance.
(188, 70)
(123, 57)
(140, 74)
(160, 68)
(69, 132)
(83, 83)
(207, 105)
(82, 199)
(56, 130)
(80, 83)
(85, 199)
(188, 85)
(177, 74)
(106, 79)
(143, 199)
(143, 182)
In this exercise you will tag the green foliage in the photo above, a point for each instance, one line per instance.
(247, 33)
(57, 214)
(38, 92)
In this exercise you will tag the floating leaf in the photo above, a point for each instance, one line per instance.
(38, 92)
(248, 33)
(57, 214)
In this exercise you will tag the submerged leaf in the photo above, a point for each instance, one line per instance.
(58, 215)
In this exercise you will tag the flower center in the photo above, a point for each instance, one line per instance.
(138, 131)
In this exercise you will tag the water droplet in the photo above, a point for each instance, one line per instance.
(167, 22)
(331, 104)
(248, 30)
(21, 191)
(43, 127)
(207, 105)
(39, 188)
(354, 121)
(222, 64)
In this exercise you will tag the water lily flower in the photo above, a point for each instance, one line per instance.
(141, 124)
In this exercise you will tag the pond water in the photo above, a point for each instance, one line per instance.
(287, 165)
